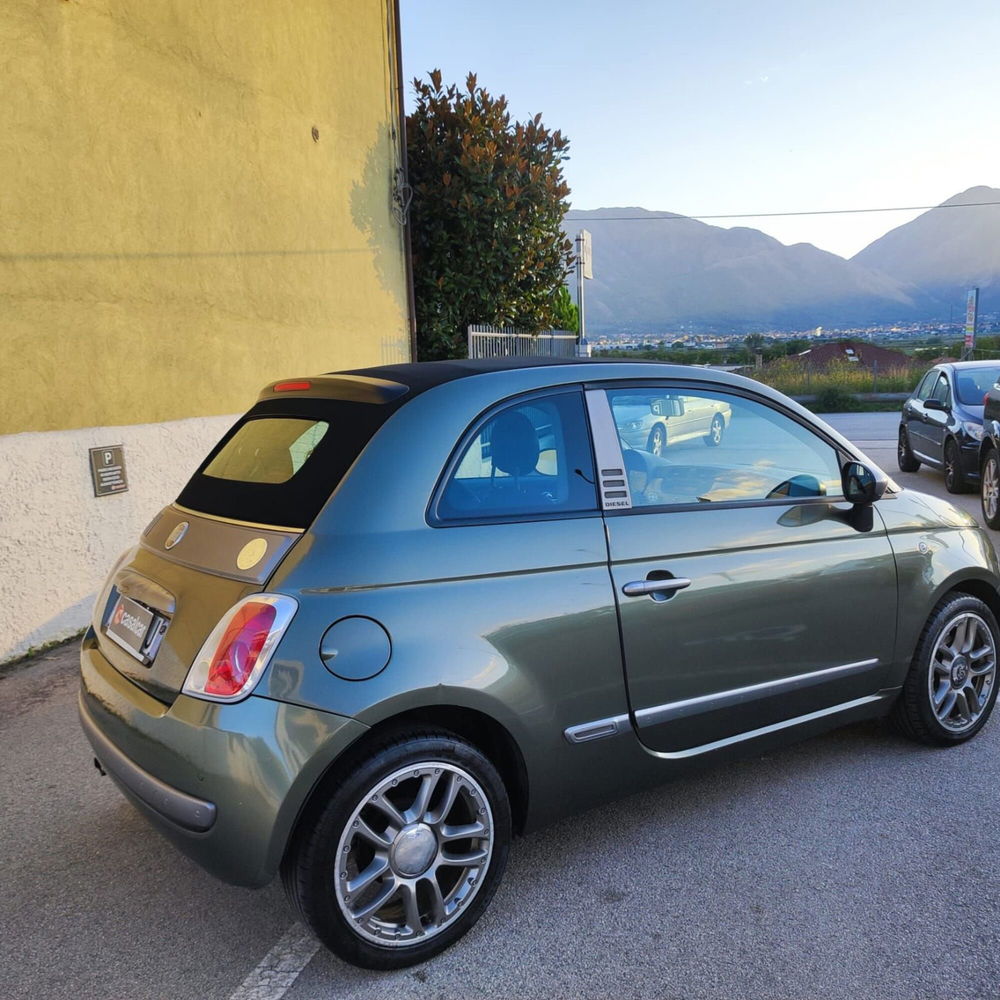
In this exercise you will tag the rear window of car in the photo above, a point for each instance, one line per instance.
(279, 464)
(267, 450)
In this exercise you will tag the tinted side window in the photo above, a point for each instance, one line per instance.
(673, 456)
(941, 392)
(926, 386)
(528, 459)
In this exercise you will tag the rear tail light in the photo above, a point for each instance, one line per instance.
(234, 656)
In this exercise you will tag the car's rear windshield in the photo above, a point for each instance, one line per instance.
(971, 384)
(279, 464)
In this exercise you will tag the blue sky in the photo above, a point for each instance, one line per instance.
(727, 107)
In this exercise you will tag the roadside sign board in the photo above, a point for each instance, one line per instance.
(586, 254)
(971, 309)
(107, 470)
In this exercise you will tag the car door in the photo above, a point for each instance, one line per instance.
(698, 413)
(935, 422)
(917, 418)
(750, 597)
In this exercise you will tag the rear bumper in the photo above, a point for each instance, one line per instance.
(170, 804)
(224, 783)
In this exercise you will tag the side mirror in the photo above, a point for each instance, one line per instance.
(860, 484)
(669, 406)
(935, 404)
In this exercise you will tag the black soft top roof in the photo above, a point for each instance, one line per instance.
(420, 375)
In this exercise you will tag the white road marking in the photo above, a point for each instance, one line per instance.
(280, 967)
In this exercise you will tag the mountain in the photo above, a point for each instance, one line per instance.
(650, 273)
(946, 252)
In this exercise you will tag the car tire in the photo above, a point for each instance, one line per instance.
(905, 458)
(989, 489)
(951, 687)
(363, 866)
(657, 440)
(954, 479)
(714, 437)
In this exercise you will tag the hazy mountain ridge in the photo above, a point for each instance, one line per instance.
(945, 252)
(650, 273)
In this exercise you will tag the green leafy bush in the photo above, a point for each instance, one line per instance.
(486, 220)
(834, 399)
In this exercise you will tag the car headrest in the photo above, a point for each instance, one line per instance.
(514, 444)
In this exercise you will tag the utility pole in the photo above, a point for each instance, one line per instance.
(584, 269)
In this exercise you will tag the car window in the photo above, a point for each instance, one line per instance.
(530, 458)
(971, 384)
(267, 450)
(280, 462)
(942, 391)
(926, 385)
(711, 448)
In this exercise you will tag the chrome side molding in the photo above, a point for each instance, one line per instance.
(659, 714)
(799, 720)
(619, 724)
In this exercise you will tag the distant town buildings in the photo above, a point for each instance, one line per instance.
(904, 334)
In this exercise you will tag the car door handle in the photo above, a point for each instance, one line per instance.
(639, 588)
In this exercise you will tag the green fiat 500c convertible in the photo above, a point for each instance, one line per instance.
(399, 615)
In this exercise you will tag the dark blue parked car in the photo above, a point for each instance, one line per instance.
(942, 422)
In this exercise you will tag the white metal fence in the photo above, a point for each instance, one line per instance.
(509, 342)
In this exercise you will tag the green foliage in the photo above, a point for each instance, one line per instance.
(488, 203)
(795, 379)
(565, 314)
(834, 399)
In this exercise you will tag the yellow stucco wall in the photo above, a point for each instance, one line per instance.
(171, 234)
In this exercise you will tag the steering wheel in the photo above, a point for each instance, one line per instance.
(797, 486)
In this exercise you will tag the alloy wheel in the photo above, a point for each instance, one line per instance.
(414, 853)
(657, 440)
(991, 489)
(963, 672)
(716, 430)
(951, 470)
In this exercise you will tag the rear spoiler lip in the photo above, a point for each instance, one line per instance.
(350, 388)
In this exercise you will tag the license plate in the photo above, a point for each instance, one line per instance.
(132, 627)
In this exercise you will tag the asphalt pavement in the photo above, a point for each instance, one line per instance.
(854, 865)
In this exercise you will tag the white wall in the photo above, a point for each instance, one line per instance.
(57, 540)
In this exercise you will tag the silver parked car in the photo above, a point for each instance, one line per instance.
(654, 425)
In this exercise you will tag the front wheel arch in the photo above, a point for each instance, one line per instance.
(916, 714)
(981, 589)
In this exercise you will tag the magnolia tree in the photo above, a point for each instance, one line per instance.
(488, 203)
